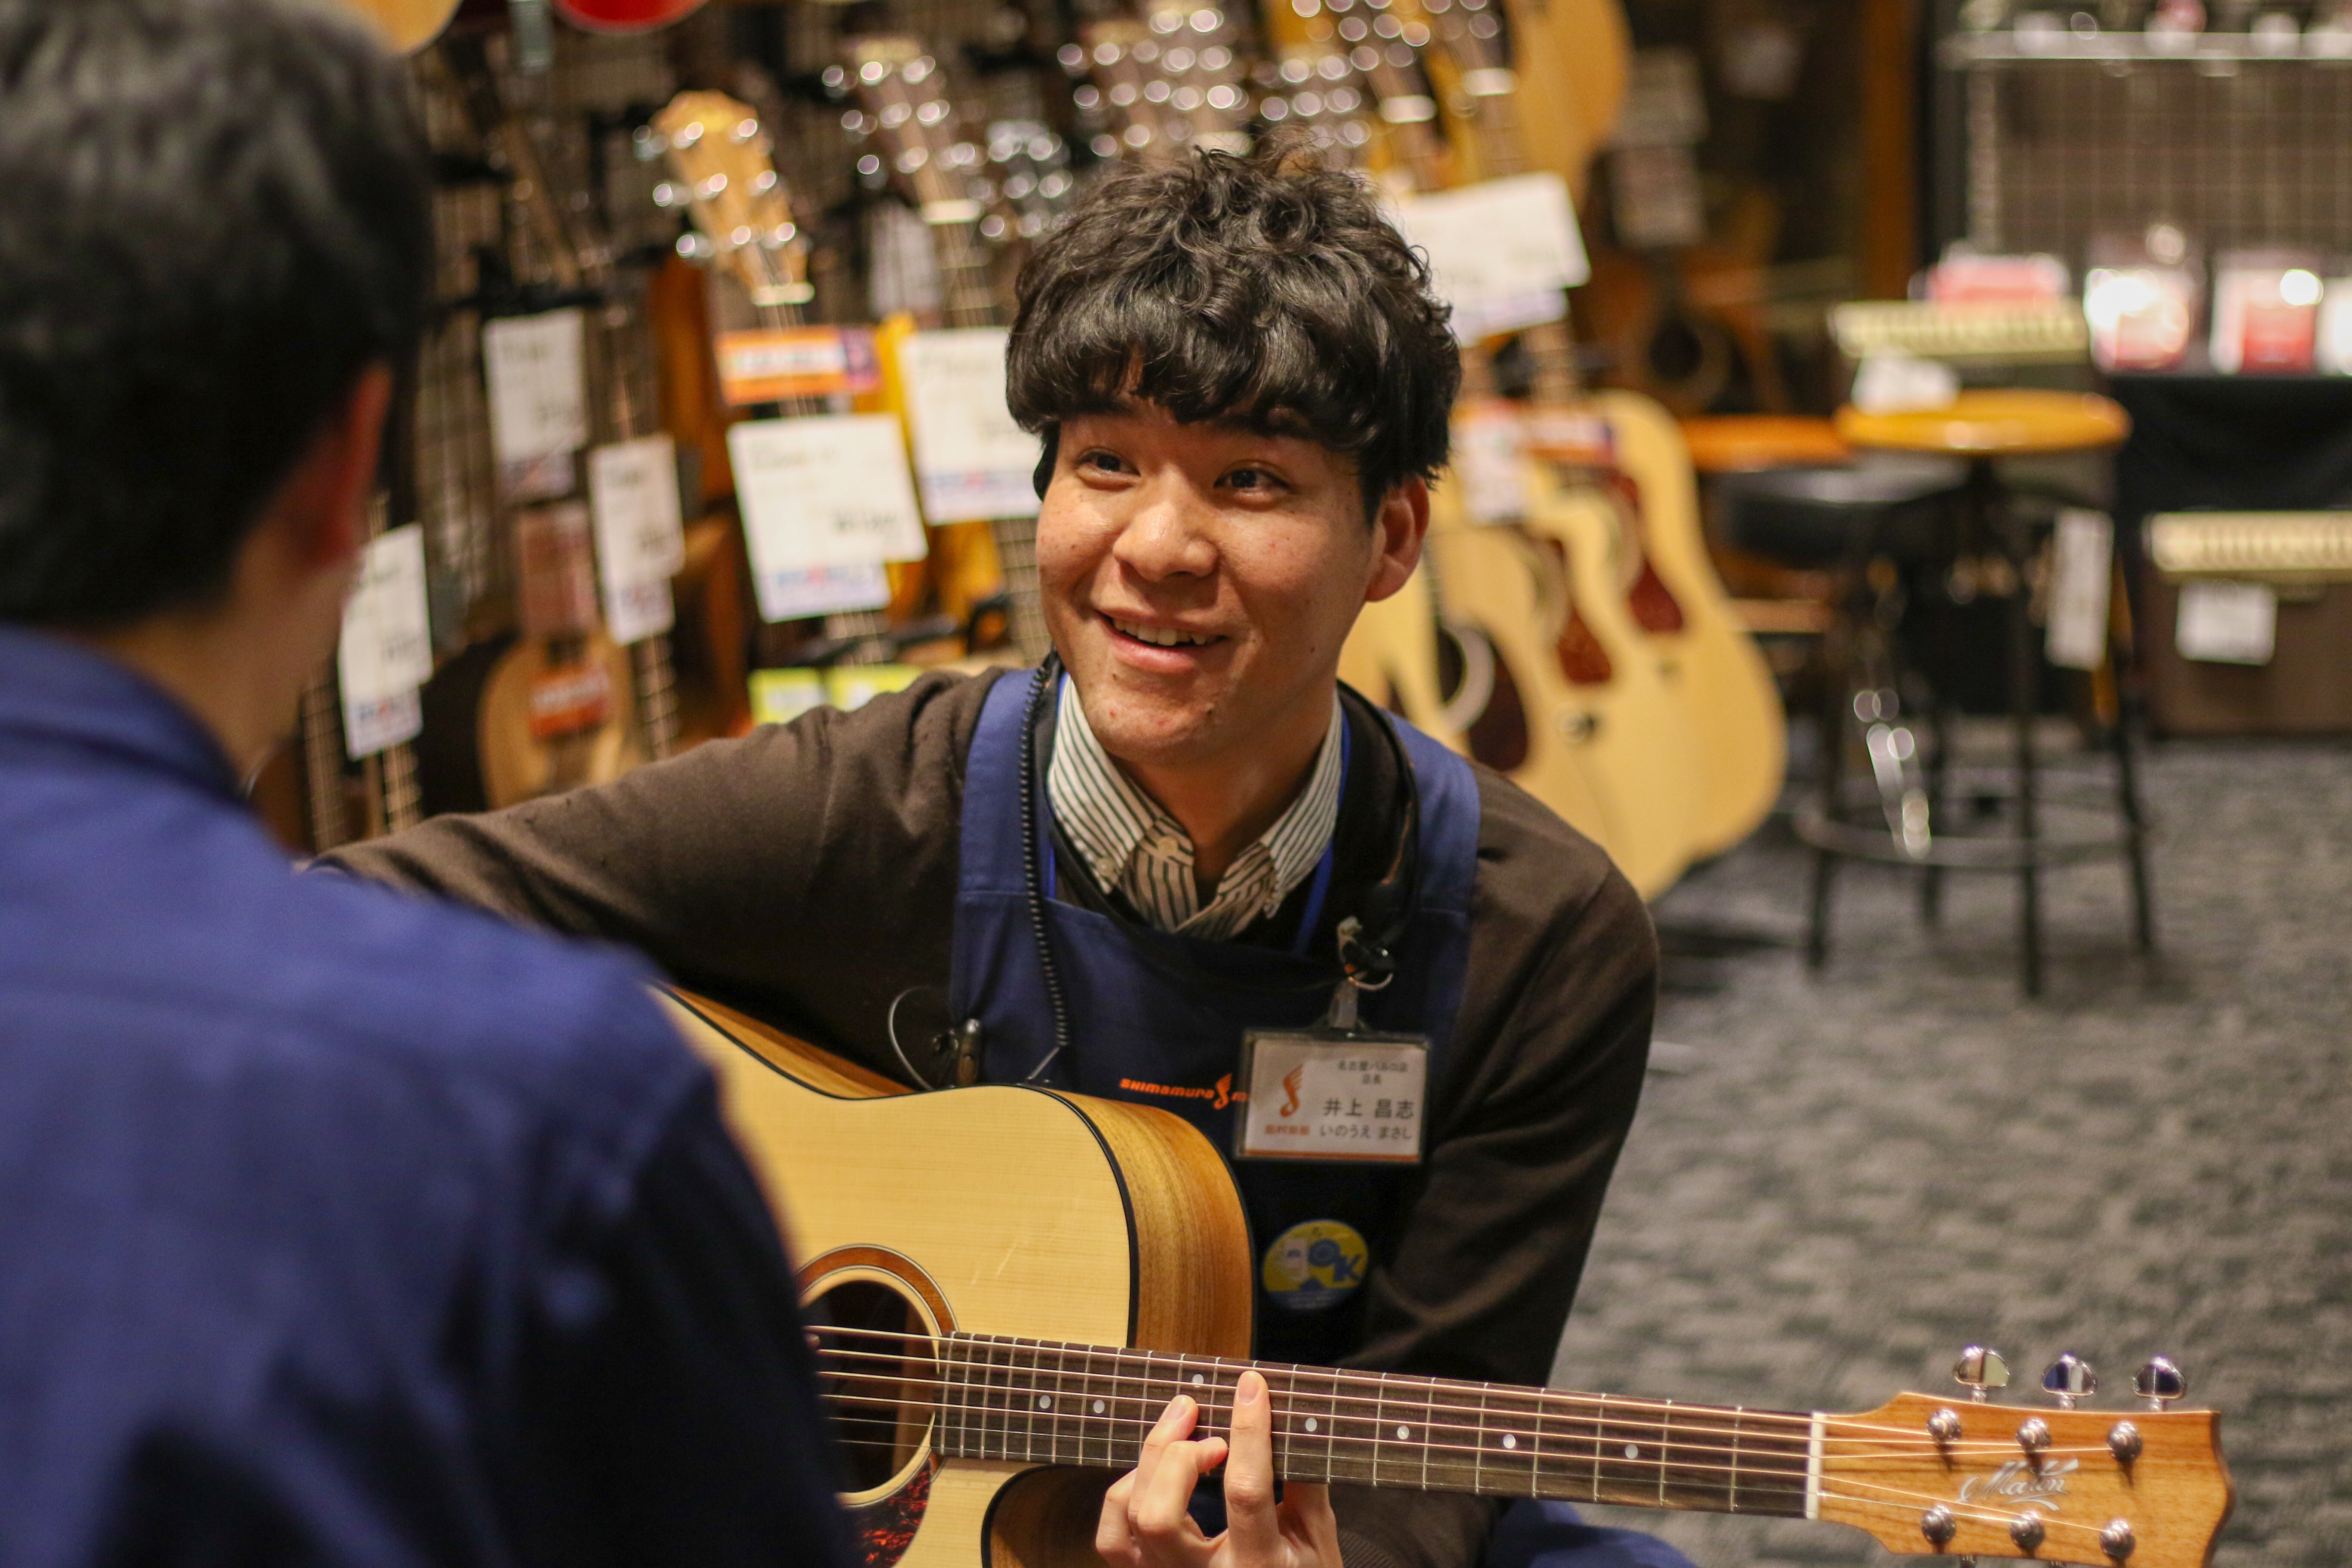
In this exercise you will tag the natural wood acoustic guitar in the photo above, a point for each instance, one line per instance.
(1006, 1285)
(1607, 744)
(1723, 681)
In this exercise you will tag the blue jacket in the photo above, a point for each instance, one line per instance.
(338, 1226)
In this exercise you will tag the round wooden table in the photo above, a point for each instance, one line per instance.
(1745, 443)
(2007, 423)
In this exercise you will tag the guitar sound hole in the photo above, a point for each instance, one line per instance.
(877, 1374)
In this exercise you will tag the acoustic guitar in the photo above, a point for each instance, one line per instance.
(1598, 740)
(1006, 1285)
(1741, 732)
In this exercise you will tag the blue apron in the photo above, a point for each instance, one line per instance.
(1156, 1019)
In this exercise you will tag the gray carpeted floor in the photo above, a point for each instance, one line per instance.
(1852, 1176)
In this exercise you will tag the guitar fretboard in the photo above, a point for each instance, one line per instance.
(1023, 1400)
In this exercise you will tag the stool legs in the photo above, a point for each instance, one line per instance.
(2000, 525)
(2125, 663)
(1837, 698)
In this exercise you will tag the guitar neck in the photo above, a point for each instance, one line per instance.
(969, 301)
(1022, 1400)
(1502, 154)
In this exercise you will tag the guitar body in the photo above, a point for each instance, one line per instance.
(1112, 1224)
(1491, 582)
(516, 765)
(1715, 671)
(1391, 656)
(1640, 747)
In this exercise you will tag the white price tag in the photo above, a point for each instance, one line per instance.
(640, 534)
(792, 592)
(1504, 251)
(539, 400)
(2078, 594)
(1317, 1096)
(2226, 623)
(378, 726)
(387, 642)
(1489, 463)
(827, 493)
(972, 461)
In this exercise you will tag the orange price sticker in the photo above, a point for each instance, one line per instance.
(770, 364)
(569, 698)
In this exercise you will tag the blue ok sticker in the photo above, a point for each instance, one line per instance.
(1315, 1265)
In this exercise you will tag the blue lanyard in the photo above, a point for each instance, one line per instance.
(1321, 885)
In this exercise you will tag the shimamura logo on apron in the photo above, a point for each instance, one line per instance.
(1315, 1265)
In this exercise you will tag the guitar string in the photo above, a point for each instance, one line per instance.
(1155, 1374)
(1337, 1376)
(1599, 1412)
(1964, 1513)
(1593, 1432)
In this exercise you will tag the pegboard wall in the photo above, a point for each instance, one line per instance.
(2235, 153)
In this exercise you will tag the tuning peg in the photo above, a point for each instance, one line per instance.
(2068, 1379)
(1979, 1370)
(744, 130)
(669, 194)
(648, 144)
(696, 247)
(688, 134)
(2160, 1383)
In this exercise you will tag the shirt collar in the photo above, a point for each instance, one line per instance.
(58, 693)
(1135, 844)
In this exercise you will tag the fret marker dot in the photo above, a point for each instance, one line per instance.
(1199, 1378)
(1509, 1441)
(1311, 1424)
(1402, 1433)
(1632, 1451)
(1044, 1402)
(1098, 1406)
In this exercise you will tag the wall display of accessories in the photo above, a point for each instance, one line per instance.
(711, 422)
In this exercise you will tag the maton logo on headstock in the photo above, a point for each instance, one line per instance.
(2029, 1485)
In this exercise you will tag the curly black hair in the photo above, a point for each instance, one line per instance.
(1268, 289)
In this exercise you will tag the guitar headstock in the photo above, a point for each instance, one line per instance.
(1471, 32)
(1956, 1479)
(902, 103)
(1161, 86)
(1317, 88)
(1032, 179)
(724, 173)
(1387, 43)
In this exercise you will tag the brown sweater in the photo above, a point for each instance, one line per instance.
(807, 873)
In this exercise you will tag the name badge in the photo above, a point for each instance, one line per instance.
(1321, 1094)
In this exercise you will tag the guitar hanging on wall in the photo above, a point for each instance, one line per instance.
(1005, 1286)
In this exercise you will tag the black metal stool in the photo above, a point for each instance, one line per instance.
(1888, 525)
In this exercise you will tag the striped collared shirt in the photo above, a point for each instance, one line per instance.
(1135, 846)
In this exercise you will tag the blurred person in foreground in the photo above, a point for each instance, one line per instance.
(334, 1227)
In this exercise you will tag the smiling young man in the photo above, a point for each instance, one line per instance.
(1182, 830)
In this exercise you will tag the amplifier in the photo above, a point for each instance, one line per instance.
(2278, 587)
